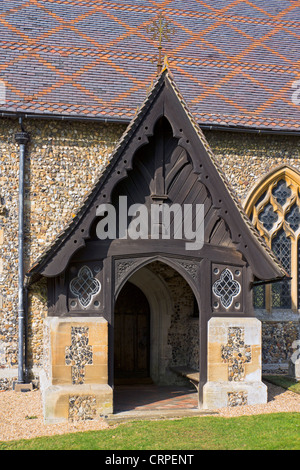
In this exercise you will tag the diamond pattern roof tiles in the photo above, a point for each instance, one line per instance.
(235, 61)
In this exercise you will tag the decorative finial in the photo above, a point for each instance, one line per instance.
(160, 30)
(166, 63)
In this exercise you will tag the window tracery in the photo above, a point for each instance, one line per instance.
(274, 208)
(85, 286)
(226, 288)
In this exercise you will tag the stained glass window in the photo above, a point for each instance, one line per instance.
(268, 217)
(293, 218)
(259, 297)
(275, 212)
(281, 293)
(281, 192)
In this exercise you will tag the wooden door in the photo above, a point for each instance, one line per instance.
(132, 335)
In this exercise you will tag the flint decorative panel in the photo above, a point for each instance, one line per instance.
(79, 354)
(236, 354)
(75, 385)
(234, 363)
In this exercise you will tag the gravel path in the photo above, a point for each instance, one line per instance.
(279, 400)
(21, 417)
(21, 414)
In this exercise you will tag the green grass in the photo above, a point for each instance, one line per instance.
(279, 431)
(283, 381)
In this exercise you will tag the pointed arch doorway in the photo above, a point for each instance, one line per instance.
(132, 336)
(158, 303)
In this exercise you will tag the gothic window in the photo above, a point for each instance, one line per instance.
(281, 294)
(268, 217)
(274, 209)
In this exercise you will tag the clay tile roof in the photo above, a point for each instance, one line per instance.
(235, 61)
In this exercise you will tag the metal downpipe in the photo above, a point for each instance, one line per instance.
(21, 139)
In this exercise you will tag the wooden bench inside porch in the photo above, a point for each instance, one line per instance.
(191, 374)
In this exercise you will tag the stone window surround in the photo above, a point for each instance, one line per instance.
(254, 206)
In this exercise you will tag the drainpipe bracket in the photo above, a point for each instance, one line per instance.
(22, 387)
(22, 137)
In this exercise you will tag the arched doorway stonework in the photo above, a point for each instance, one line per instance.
(163, 158)
(174, 321)
(169, 284)
(160, 303)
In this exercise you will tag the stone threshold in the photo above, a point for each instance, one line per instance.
(134, 415)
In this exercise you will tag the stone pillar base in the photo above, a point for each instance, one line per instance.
(74, 380)
(294, 369)
(224, 394)
(234, 363)
(63, 403)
